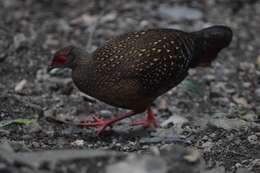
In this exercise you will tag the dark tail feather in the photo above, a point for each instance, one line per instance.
(210, 41)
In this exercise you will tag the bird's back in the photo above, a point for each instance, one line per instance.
(158, 59)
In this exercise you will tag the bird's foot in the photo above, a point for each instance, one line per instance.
(102, 124)
(149, 121)
(99, 123)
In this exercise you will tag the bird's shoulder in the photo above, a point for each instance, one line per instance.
(138, 50)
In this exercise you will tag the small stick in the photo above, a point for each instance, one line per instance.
(92, 30)
(25, 102)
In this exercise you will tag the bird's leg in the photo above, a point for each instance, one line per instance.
(101, 124)
(150, 120)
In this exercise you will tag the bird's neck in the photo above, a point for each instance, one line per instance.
(82, 71)
(82, 59)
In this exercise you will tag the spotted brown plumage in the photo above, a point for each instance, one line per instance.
(132, 70)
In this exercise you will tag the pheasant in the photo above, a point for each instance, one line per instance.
(133, 69)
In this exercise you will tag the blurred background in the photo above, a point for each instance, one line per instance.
(215, 110)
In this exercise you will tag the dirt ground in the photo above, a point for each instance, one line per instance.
(215, 111)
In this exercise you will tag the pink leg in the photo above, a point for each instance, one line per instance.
(101, 124)
(150, 120)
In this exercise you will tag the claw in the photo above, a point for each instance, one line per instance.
(98, 123)
(95, 118)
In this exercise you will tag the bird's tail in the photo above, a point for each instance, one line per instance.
(209, 42)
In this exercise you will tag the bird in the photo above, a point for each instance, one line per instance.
(131, 70)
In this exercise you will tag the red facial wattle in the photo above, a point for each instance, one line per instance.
(60, 60)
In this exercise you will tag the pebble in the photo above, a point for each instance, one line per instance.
(19, 39)
(51, 40)
(63, 25)
(49, 132)
(208, 77)
(3, 56)
(192, 156)
(105, 113)
(241, 101)
(257, 93)
(247, 67)
(20, 86)
(35, 144)
(227, 124)
(179, 13)
(256, 163)
(85, 19)
(163, 104)
(250, 116)
(108, 17)
(238, 165)
(175, 120)
(145, 164)
(253, 139)
(258, 60)
(246, 84)
(144, 23)
(78, 142)
(207, 146)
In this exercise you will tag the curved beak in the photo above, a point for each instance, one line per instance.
(52, 68)
(49, 68)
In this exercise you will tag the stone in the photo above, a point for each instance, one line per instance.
(20, 86)
(258, 60)
(175, 120)
(252, 139)
(78, 142)
(179, 13)
(19, 39)
(227, 124)
(135, 164)
(85, 19)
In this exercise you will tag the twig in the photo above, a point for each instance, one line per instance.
(92, 31)
(9, 34)
(25, 102)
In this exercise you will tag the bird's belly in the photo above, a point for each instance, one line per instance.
(124, 94)
(127, 101)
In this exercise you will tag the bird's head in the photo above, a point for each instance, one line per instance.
(64, 58)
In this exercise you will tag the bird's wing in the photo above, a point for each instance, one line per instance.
(156, 58)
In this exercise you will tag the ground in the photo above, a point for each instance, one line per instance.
(215, 111)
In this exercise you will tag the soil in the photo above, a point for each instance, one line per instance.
(215, 111)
